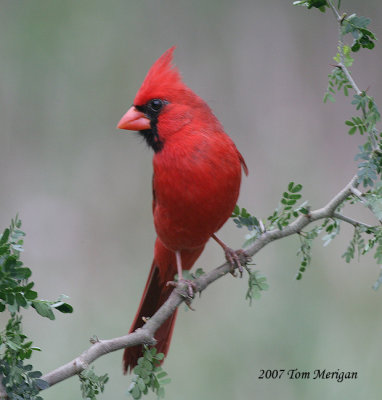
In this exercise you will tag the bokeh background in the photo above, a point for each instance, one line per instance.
(68, 72)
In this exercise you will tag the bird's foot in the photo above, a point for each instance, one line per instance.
(236, 258)
(191, 287)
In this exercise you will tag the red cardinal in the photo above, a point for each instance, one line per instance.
(196, 183)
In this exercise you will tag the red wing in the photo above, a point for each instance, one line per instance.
(243, 164)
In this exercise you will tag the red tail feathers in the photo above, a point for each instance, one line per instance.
(154, 295)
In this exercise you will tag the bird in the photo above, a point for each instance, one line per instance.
(197, 173)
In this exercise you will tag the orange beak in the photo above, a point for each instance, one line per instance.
(134, 120)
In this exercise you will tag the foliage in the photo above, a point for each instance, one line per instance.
(320, 4)
(16, 292)
(285, 213)
(305, 250)
(370, 153)
(280, 218)
(92, 384)
(337, 78)
(19, 379)
(256, 284)
(356, 26)
(357, 243)
(149, 375)
(369, 156)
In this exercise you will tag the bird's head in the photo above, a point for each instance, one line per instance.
(163, 104)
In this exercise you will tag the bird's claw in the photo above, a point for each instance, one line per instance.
(191, 287)
(236, 258)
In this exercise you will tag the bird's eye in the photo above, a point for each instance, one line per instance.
(156, 104)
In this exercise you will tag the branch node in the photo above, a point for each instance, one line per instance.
(80, 365)
(342, 18)
(146, 337)
(94, 339)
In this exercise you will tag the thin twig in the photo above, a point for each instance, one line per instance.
(350, 220)
(335, 11)
(344, 69)
(357, 193)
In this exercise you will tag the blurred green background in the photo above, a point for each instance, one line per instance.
(68, 72)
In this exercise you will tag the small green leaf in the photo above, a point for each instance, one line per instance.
(136, 393)
(161, 392)
(296, 188)
(30, 295)
(20, 300)
(43, 309)
(4, 237)
(64, 308)
(161, 374)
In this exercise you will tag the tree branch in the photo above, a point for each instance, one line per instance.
(145, 335)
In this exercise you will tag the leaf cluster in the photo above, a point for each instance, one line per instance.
(241, 217)
(286, 212)
(370, 154)
(337, 81)
(356, 26)
(320, 4)
(19, 379)
(305, 249)
(370, 166)
(256, 284)
(92, 384)
(357, 243)
(21, 382)
(149, 375)
(16, 293)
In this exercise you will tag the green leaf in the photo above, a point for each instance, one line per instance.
(30, 295)
(43, 309)
(41, 384)
(296, 188)
(135, 392)
(141, 384)
(161, 374)
(4, 237)
(20, 300)
(329, 97)
(64, 308)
